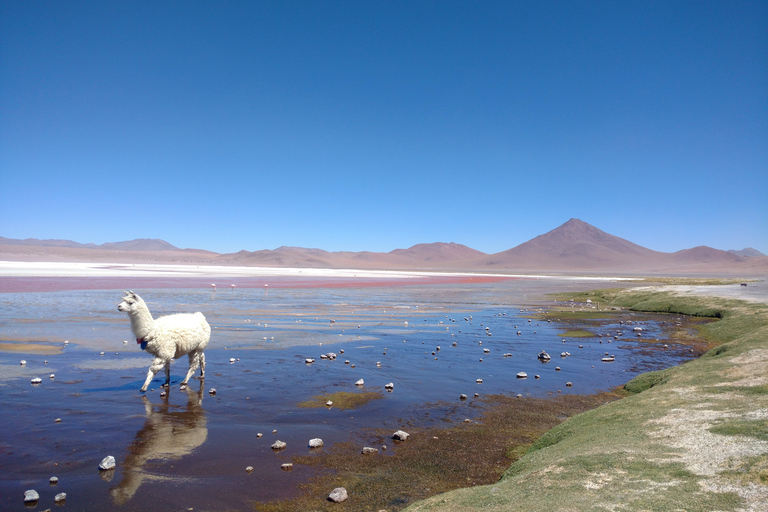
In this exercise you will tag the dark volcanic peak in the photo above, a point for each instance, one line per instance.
(573, 245)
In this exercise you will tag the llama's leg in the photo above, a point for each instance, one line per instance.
(194, 362)
(157, 365)
(202, 365)
(167, 373)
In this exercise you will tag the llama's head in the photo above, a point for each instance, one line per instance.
(131, 303)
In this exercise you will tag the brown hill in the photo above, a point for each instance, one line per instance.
(572, 247)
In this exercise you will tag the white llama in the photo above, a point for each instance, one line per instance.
(168, 337)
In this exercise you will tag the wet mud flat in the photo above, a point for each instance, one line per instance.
(190, 449)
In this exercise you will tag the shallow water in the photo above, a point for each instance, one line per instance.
(199, 445)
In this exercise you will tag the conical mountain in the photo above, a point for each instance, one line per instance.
(575, 245)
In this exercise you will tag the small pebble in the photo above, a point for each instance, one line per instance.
(315, 443)
(274, 431)
(278, 445)
(53, 480)
(62, 496)
(249, 469)
(329, 403)
(52, 376)
(338, 495)
(30, 496)
(286, 466)
(259, 434)
(36, 380)
(212, 391)
(22, 362)
(369, 451)
(360, 382)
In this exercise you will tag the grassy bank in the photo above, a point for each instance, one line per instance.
(693, 437)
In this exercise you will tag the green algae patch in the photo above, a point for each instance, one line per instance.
(342, 399)
(577, 334)
(432, 460)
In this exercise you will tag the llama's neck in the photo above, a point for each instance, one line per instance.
(142, 324)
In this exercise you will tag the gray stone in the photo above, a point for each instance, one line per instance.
(107, 463)
(54, 480)
(401, 435)
(369, 451)
(62, 496)
(30, 496)
(278, 445)
(338, 495)
(315, 443)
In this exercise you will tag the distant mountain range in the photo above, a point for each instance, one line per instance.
(574, 247)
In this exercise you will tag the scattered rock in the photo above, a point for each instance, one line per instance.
(462, 397)
(288, 466)
(315, 443)
(52, 376)
(390, 386)
(543, 356)
(30, 496)
(329, 403)
(62, 496)
(369, 451)
(360, 382)
(338, 495)
(278, 445)
(107, 463)
(231, 360)
(53, 480)
(467, 420)
(36, 380)
(212, 391)
(309, 360)
(249, 469)
(522, 375)
(479, 381)
(259, 434)
(519, 395)
(569, 384)
(401, 435)
(557, 368)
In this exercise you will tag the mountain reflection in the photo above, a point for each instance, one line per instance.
(169, 433)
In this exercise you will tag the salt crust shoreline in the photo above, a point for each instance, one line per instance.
(61, 269)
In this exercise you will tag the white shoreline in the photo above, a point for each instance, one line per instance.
(61, 269)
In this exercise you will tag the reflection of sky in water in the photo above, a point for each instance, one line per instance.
(102, 412)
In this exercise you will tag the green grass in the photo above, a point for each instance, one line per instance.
(625, 455)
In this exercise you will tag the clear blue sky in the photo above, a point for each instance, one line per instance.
(377, 125)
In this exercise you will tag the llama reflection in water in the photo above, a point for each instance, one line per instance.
(168, 434)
